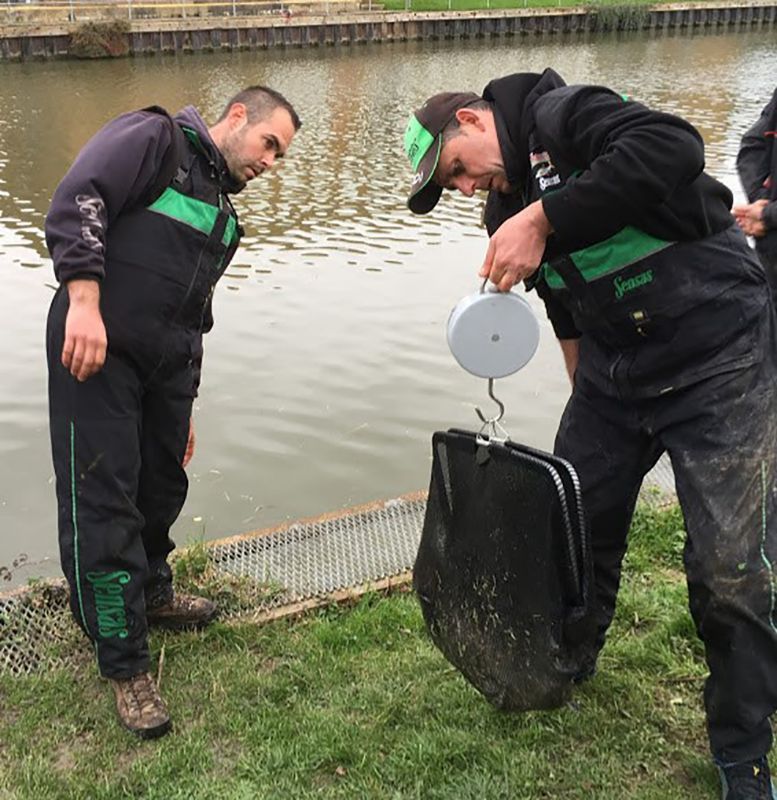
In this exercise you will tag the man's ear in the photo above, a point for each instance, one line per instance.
(237, 115)
(469, 116)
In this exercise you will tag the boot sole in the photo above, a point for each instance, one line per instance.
(151, 733)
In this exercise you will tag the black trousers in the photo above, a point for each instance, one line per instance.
(721, 436)
(768, 257)
(117, 443)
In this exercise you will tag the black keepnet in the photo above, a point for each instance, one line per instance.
(503, 568)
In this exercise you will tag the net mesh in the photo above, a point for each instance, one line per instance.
(309, 559)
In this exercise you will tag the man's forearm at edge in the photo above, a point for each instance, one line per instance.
(570, 349)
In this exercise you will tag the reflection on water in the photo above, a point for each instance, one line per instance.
(327, 370)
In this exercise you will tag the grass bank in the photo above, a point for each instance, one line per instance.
(625, 8)
(355, 703)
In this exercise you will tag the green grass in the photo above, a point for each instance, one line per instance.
(476, 5)
(356, 703)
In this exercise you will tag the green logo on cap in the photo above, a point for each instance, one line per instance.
(418, 140)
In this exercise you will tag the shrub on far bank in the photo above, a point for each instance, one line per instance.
(100, 39)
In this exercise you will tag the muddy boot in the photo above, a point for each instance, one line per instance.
(183, 611)
(141, 709)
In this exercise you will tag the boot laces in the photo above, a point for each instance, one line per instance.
(143, 692)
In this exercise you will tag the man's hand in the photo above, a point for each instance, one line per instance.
(187, 456)
(516, 249)
(750, 218)
(85, 339)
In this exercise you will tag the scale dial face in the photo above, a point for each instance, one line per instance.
(493, 334)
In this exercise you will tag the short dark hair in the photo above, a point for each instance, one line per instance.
(453, 127)
(260, 102)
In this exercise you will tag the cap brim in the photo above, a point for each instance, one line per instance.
(424, 192)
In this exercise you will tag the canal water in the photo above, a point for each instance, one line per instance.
(327, 370)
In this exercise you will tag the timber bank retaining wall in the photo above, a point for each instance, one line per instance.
(251, 33)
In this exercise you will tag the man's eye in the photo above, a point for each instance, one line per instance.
(458, 169)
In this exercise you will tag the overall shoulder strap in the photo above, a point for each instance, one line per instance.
(173, 161)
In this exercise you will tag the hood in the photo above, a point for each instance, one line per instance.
(513, 97)
(190, 118)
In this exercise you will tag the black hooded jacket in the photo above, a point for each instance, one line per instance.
(607, 163)
(157, 258)
(757, 166)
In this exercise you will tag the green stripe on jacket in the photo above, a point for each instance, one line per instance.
(195, 213)
(626, 247)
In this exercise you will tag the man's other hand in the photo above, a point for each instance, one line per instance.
(749, 217)
(187, 456)
(86, 342)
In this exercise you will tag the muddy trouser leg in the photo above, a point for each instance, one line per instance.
(94, 429)
(724, 462)
(602, 438)
(167, 408)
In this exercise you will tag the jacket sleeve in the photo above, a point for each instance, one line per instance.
(112, 172)
(769, 216)
(629, 158)
(755, 153)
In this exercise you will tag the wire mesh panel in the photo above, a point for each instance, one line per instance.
(319, 557)
(660, 481)
(36, 629)
(303, 560)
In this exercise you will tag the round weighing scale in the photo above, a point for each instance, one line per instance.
(493, 334)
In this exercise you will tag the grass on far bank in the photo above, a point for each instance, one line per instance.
(356, 703)
(485, 5)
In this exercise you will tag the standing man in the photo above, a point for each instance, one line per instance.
(757, 166)
(140, 229)
(603, 206)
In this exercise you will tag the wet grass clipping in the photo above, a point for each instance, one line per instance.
(355, 702)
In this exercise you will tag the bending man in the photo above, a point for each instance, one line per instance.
(603, 206)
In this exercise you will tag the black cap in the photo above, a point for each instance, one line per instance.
(423, 143)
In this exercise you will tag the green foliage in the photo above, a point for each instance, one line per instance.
(107, 39)
(621, 16)
(194, 573)
(628, 16)
(656, 539)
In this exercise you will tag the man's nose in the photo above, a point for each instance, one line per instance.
(466, 186)
(268, 159)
